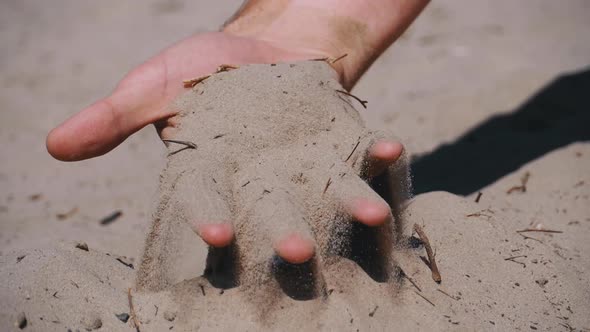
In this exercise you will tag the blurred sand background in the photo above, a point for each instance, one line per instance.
(473, 88)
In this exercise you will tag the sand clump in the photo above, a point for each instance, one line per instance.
(280, 148)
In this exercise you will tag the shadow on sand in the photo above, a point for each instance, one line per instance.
(556, 116)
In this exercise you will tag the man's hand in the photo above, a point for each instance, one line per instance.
(142, 97)
(263, 31)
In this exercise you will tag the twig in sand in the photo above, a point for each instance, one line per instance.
(372, 313)
(66, 215)
(225, 67)
(529, 238)
(538, 230)
(478, 197)
(353, 149)
(363, 102)
(194, 81)
(424, 297)
(111, 217)
(327, 185)
(435, 273)
(202, 289)
(132, 311)
(188, 145)
(482, 213)
(331, 60)
(512, 259)
(523, 182)
(413, 282)
(447, 294)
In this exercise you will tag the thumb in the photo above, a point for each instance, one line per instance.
(140, 99)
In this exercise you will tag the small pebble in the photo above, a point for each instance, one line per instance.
(124, 317)
(91, 323)
(82, 246)
(21, 321)
(542, 282)
(169, 315)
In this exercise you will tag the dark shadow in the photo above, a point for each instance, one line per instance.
(298, 281)
(556, 116)
(365, 251)
(221, 267)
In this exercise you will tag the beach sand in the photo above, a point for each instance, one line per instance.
(489, 98)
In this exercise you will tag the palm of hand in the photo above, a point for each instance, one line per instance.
(141, 98)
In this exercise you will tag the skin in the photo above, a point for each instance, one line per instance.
(262, 31)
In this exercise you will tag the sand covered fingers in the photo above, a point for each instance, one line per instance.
(279, 173)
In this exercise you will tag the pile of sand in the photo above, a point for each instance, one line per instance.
(492, 276)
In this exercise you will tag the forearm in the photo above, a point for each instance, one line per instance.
(361, 29)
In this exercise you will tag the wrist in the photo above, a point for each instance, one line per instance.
(328, 28)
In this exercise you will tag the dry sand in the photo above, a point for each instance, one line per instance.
(462, 63)
(283, 152)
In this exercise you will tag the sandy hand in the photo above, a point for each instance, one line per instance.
(281, 169)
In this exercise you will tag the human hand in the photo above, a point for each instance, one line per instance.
(264, 35)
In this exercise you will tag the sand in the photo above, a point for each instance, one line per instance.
(463, 73)
(276, 135)
(284, 123)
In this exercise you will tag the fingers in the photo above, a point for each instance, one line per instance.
(382, 154)
(278, 218)
(138, 100)
(361, 202)
(204, 209)
(294, 248)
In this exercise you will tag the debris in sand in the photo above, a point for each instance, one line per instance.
(169, 315)
(372, 313)
(187, 144)
(512, 259)
(194, 81)
(20, 258)
(479, 194)
(447, 294)
(432, 263)
(410, 280)
(132, 310)
(91, 323)
(528, 237)
(21, 321)
(523, 182)
(353, 149)
(542, 282)
(362, 102)
(202, 289)
(82, 246)
(35, 197)
(124, 317)
(123, 261)
(424, 297)
(66, 215)
(331, 60)
(327, 185)
(542, 230)
(483, 213)
(111, 217)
